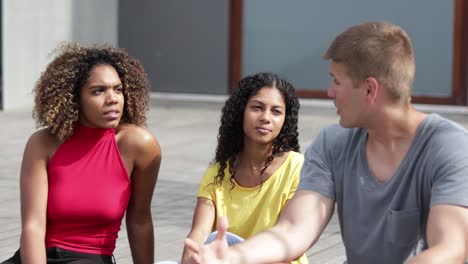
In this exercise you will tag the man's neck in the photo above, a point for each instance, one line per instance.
(395, 126)
(390, 138)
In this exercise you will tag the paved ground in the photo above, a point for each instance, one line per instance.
(187, 133)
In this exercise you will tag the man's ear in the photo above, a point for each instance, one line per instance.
(373, 89)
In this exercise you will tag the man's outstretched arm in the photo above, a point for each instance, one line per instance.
(447, 235)
(304, 218)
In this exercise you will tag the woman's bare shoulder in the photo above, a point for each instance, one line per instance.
(136, 137)
(44, 142)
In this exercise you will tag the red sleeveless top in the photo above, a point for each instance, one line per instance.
(89, 190)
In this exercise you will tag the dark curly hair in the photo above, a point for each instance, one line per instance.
(231, 132)
(57, 91)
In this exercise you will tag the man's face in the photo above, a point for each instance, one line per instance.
(349, 100)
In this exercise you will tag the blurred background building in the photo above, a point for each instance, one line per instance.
(206, 46)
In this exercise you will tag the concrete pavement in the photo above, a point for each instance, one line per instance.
(186, 130)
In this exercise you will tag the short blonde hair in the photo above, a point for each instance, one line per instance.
(380, 50)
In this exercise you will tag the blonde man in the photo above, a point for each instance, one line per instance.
(399, 177)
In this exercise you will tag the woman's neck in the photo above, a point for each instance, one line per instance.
(250, 166)
(254, 156)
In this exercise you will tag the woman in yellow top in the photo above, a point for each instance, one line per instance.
(256, 167)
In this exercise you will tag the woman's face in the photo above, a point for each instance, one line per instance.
(101, 98)
(264, 116)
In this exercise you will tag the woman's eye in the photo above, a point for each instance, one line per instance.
(256, 107)
(97, 91)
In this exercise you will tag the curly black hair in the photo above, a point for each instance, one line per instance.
(58, 89)
(231, 133)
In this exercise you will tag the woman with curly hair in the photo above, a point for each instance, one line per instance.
(91, 163)
(257, 162)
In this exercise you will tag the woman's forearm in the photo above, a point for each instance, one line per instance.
(32, 246)
(141, 239)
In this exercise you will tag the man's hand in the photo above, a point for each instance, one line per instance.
(299, 226)
(216, 251)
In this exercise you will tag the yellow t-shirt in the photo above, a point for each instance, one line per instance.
(251, 210)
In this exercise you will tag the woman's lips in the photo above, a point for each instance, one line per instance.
(263, 130)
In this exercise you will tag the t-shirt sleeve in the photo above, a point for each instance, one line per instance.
(450, 184)
(316, 173)
(296, 174)
(206, 187)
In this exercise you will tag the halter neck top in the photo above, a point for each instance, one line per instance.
(89, 190)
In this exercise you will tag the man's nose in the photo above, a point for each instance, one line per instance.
(331, 91)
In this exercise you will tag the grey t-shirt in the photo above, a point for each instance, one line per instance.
(383, 222)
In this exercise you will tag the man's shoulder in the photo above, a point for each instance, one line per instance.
(440, 123)
(335, 136)
(336, 130)
(335, 143)
(441, 142)
(443, 131)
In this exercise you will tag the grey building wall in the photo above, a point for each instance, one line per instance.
(290, 37)
(31, 29)
(183, 44)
